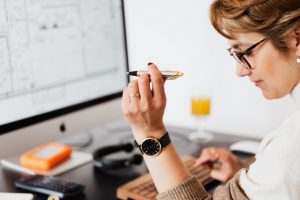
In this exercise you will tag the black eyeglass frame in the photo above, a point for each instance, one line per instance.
(240, 56)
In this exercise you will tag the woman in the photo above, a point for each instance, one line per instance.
(264, 38)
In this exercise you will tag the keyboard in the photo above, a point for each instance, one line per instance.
(143, 188)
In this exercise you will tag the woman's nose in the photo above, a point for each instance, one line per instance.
(242, 71)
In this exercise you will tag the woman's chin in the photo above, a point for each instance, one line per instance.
(272, 95)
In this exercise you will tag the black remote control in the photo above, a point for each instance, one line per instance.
(50, 186)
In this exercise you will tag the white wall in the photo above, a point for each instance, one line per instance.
(176, 34)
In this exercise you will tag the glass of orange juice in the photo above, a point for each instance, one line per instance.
(200, 108)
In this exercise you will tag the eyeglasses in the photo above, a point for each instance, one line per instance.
(241, 56)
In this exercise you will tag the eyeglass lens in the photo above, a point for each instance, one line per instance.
(241, 59)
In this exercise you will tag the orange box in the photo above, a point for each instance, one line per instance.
(46, 157)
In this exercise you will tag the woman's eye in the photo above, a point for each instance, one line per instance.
(249, 53)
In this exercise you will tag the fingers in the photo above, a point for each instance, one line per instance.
(144, 88)
(157, 82)
(219, 174)
(125, 98)
(141, 107)
(207, 155)
(137, 96)
(223, 172)
(133, 90)
(225, 167)
(140, 97)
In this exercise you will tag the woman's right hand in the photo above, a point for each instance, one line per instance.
(143, 104)
(225, 166)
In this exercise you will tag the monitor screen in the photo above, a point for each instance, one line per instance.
(58, 56)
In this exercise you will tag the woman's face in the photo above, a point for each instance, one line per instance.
(274, 72)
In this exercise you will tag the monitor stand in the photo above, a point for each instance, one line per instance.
(80, 140)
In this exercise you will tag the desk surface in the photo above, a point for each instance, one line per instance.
(100, 185)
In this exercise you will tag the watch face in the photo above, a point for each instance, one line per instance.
(151, 147)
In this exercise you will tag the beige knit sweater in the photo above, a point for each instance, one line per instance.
(191, 189)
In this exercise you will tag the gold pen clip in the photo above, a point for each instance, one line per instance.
(173, 77)
(53, 197)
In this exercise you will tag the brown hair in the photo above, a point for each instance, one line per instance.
(273, 18)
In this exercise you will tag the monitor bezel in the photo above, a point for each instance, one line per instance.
(12, 126)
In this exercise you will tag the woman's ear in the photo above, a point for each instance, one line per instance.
(297, 31)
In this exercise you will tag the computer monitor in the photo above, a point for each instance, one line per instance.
(63, 66)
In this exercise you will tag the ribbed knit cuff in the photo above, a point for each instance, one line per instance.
(190, 189)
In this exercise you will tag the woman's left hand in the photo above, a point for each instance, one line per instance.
(144, 107)
(227, 164)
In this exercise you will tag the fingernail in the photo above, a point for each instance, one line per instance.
(150, 63)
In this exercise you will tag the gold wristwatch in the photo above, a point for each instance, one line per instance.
(152, 146)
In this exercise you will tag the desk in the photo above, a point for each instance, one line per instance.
(100, 185)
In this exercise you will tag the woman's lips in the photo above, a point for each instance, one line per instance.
(258, 83)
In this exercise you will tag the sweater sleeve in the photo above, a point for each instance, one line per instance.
(191, 189)
(246, 162)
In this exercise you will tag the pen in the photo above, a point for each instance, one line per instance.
(167, 74)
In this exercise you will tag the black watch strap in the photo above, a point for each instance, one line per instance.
(165, 140)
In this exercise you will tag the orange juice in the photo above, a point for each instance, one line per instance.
(201, 105)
